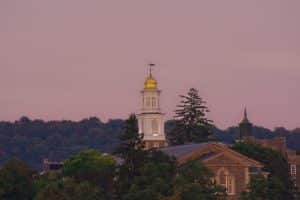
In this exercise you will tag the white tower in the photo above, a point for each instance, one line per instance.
(151, 122)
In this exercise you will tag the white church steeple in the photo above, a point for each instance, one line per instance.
(151, 122)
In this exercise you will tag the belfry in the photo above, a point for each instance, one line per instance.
(150, 119)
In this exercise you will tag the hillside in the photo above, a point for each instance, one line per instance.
(34, 140)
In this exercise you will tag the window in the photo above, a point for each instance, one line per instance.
(226, 180)
(153, 102)
(293, 169)
(148, 103)
(154, 127)
(230, 185)
(222, 178)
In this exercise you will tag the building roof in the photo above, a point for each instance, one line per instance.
(180, 150)
(207, 151)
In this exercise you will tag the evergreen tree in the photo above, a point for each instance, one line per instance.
(192, 124)
(131, 150)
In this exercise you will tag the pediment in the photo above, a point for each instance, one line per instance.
(218, 152)
(223, 159)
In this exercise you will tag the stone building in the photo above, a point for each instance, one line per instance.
(232, 170)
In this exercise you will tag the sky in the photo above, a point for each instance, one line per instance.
(71, 59)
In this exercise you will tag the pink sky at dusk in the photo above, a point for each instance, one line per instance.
(70, 59)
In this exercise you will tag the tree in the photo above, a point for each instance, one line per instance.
(275, 163)
(16, 181)
(156, 178)
(257, 189)
(92, 167)
(195, 181)
(132, 146)
(192, 124)
(131, 150)
(69, 189)
(261, 187)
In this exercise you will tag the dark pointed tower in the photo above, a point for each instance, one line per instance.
(245, 127)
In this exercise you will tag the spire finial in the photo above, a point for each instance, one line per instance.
(150, 68)
(245, 113)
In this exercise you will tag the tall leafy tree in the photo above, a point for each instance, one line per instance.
(69, 189)
(16, 181)
(261, 187)
(93, 167)
(156, 179)
(192, 124)
(194, 181)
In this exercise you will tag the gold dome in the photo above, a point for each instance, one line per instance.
(150, 83)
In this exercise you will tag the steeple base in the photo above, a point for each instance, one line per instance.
(155, 144)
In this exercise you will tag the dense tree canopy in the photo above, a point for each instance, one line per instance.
(69, 189)
(33, 140)
(16, 181)
(155, 180)
(194, 181)
(275, 163)
(93, 167)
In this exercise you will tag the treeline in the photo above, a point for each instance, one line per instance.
(140, 174)
(136, 173)
(33, 140)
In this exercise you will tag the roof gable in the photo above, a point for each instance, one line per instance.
(208, 151)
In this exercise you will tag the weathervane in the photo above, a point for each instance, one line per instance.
(150, 68)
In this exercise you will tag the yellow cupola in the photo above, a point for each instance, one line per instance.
(150, 83)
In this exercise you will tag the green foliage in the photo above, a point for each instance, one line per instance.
(155, 180)
(274, 162)
(258, 189)
(131, 150)
(194, 181)
(16, 181)
(131, 140)
(263, 188)
(34, 140)
(93, 167)
(69, 189)
(85, 176)
(192, 124)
